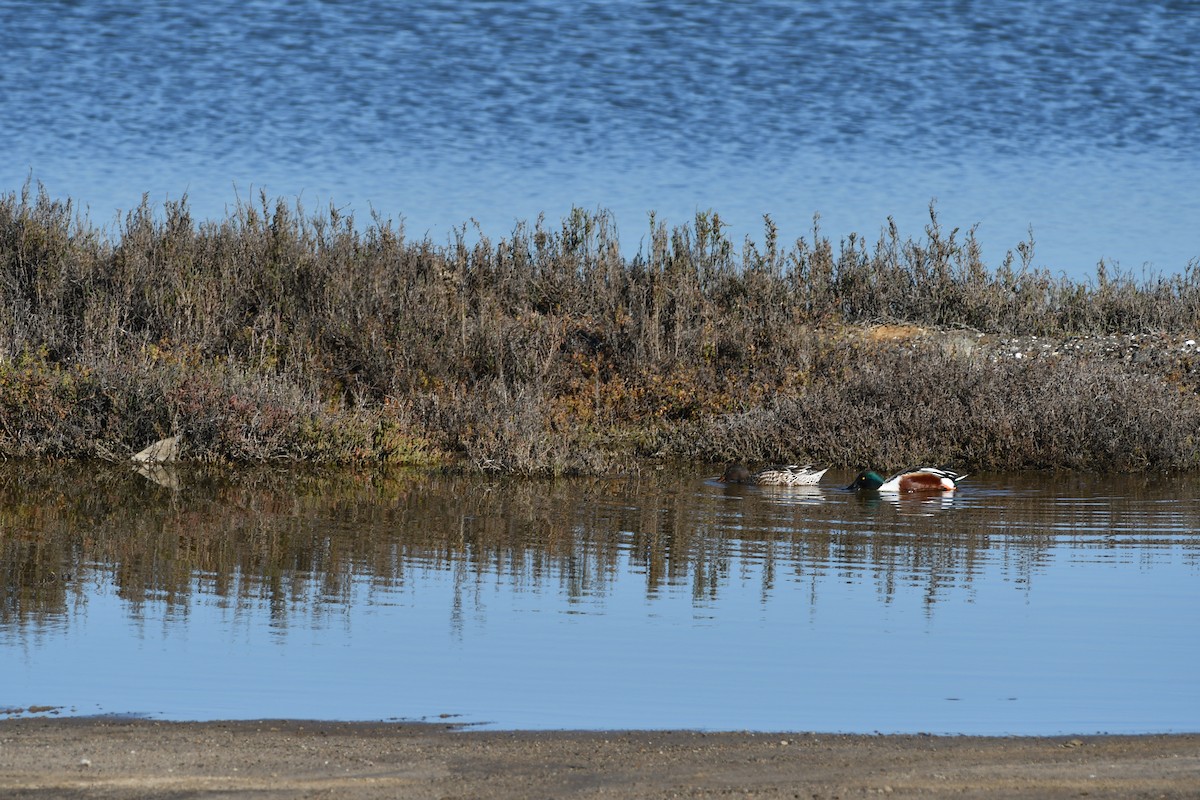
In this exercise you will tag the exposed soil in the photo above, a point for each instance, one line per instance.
(74, 758)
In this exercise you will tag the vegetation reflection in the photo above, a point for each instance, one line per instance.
(298, 542)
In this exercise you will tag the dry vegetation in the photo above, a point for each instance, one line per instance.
(278, 334)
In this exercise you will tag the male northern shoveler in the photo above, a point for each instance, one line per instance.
(789, 475)
(922, 479)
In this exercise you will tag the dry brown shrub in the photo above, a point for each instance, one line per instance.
(550, 351)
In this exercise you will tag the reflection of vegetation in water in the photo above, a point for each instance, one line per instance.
(300, 542)
(276, 334)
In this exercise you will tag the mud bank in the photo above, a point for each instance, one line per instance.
(69, 758)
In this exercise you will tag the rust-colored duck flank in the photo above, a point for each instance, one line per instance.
(921, 479)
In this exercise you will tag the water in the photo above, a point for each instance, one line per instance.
(1080, 120)
(1021, 605)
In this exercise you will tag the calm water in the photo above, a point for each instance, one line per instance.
(1014, 607)
(1080, 119)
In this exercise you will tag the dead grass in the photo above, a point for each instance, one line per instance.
(278, 334)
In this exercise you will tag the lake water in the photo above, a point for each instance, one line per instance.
(1035, 604)
(1078, 119)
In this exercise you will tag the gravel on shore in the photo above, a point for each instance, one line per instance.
(118, 758)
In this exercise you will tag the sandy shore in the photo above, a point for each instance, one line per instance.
(71, 758)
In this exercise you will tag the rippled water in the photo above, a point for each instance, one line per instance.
(1078, 119)
(1021, 605)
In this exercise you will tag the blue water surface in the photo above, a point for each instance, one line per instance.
(1006, 609)
(1078, 120)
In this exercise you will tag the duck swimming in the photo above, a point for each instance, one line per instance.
(922, 479)
(777, 475)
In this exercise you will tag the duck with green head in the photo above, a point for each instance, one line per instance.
(922, 479)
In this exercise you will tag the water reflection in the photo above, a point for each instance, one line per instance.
(296, 540)
(163, 474)
(641, 601)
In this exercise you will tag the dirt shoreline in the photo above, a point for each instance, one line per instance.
(106, 758)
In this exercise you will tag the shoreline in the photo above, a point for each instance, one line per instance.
(117, 758)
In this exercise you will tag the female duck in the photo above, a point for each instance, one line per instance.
(789, 475)
(922, 479)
